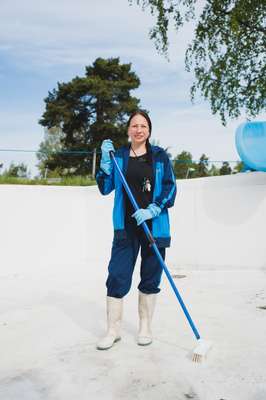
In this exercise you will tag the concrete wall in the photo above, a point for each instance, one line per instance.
(52, 224)
(216, 222)
(220, 222)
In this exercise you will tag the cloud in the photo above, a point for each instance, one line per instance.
(67, 32)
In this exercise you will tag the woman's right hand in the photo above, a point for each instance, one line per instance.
(106, 147)
(106, 162)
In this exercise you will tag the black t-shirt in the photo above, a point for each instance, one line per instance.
(139, 177)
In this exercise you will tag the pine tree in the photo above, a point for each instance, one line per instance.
(214, 171)
(225, 169)
(87, 110)
(202, 167)
(182, 162)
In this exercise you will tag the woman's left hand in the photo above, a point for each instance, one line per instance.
(143, 214)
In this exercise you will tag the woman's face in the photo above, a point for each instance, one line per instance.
(138, 130)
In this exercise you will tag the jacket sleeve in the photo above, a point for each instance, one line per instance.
(105, 182)
(166, 199)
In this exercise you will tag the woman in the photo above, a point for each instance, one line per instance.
(149, 174)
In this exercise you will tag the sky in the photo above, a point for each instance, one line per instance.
(42, 43)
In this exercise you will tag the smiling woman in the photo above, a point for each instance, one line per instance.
(150, 177)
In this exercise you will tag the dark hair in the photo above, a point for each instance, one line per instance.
(144, 115)
(148, 145)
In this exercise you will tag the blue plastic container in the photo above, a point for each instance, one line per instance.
(251, 144)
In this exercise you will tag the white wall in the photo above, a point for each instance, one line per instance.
(216, 222)
(220, 222)
(52, 224)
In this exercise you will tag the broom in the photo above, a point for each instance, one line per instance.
(203, 346)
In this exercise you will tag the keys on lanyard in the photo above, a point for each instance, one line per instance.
(146, 185)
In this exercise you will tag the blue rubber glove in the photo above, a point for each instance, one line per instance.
(106, 162)
(143, 214)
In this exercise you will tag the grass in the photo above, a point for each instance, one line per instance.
(66, 181)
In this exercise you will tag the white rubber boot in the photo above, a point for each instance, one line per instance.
(146, 309)
(114, 316)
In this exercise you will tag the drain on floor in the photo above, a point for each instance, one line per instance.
(178, 276)
(191, 395)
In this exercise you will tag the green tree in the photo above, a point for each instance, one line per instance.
(238, 167)
(182, 162)
(213, 171)
(225, 169)
(227, 54)
(202, 167)
(17, 171)
(51, 144)
(87, 110)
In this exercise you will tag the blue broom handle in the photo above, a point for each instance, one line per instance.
(155, 248)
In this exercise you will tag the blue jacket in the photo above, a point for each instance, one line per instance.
(164, 193)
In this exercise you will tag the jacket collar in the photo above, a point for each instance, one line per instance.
(154, 149)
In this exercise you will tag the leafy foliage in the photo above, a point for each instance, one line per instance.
(17, 171)
(186, 168)
(182, 163)
(165, 10)
(225, 169)
(87, 110)
(239, 167)
(227, 54)
(213, 171)
(202, 166)
(51, 144)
